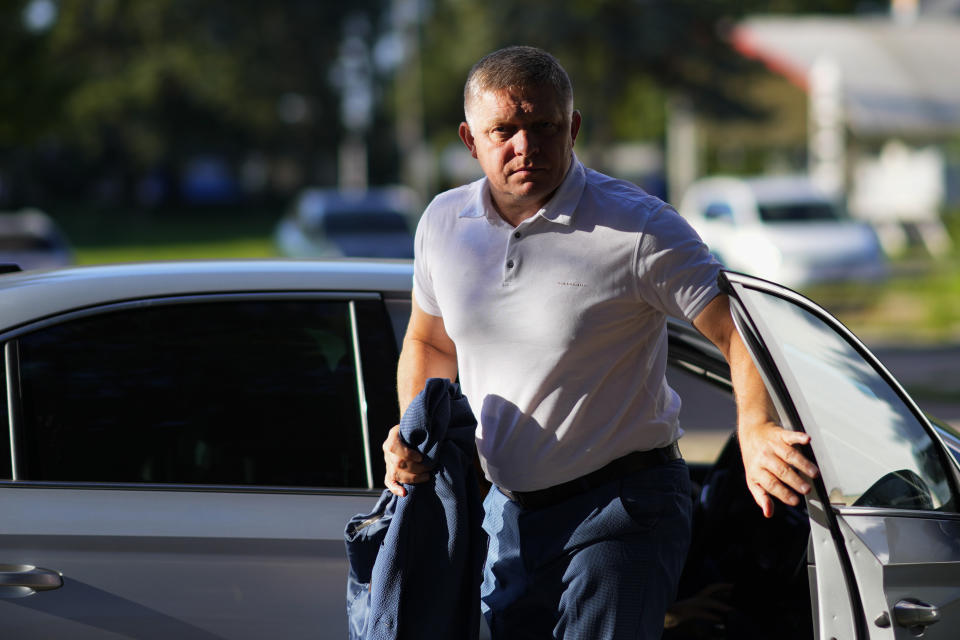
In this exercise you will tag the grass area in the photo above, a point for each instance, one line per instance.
(233, 248)
(919, 304)
(106, 236)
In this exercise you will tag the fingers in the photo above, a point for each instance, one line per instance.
(393, 486)
(774, 467)
(762, 499)
(794, 457)
(403, 464)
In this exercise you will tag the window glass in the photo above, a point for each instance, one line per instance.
(871, 449)
(799, 212)
(718, 211)
(252, 393)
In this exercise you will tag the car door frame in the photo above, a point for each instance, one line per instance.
(833, 543)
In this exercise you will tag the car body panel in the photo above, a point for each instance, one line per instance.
(137, 563)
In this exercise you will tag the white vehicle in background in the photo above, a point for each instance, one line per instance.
(782, 228)
(30, 239)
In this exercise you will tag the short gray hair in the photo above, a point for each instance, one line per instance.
(517, 66)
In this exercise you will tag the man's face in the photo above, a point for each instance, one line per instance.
(523, 139)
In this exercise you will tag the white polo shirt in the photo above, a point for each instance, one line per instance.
(560, 323)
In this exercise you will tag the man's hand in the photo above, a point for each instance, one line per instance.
(772, 463)
(428, 352)
(774, 467)
(403, 464)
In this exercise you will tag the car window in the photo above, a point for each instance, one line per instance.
(718, 211)
(798, 212)
(872, 450)
(241, 392)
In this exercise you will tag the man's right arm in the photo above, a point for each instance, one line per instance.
(428, 352)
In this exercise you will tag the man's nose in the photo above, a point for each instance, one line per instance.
(525, 143)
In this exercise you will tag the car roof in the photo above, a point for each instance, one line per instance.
(324, 200)
(782, 188)
(763, 189)
(31, 295)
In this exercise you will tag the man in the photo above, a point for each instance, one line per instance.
(545, 286)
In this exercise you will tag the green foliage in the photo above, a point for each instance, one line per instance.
(157, 78)
(623, 56)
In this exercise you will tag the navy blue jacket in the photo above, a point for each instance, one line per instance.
(416, 562)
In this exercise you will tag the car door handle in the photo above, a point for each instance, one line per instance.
(913, 614)
(25, 575)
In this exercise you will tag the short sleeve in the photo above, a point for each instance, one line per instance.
(676, 272)
(423, 289)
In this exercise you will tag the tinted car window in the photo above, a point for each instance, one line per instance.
(871, 449)
(253, 392)
(798, 212)
(718, 211)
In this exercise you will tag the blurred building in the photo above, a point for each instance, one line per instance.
(882, 101)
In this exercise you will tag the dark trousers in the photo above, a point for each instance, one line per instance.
(600, 564)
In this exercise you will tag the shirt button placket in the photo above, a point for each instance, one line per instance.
(510, 266)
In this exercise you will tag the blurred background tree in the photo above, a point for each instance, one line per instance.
(124, 94)
(118, 100)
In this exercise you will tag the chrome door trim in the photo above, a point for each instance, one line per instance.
(11, 363)
(179, 487)
(854, 512)
(193, 298)
(361, 394)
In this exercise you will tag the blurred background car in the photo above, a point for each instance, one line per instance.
(369, 223)
(782, 228)
(31, 239)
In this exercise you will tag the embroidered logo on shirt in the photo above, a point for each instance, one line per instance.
(571, 284)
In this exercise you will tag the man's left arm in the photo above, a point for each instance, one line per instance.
(775, 468)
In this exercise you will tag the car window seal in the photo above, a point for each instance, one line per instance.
(191, 488)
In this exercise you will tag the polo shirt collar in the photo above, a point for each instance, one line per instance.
(560, 208)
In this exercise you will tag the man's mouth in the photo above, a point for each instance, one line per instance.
(527, 170)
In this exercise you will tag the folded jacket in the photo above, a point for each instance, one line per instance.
(416, 562)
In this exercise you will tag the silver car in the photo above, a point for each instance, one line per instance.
(783, 228)
(188, 440)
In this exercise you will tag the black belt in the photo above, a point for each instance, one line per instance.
(615, 470)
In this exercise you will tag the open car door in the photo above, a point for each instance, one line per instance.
(884, 549)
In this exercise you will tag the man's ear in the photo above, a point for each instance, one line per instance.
(467, 138)
(575, 121)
